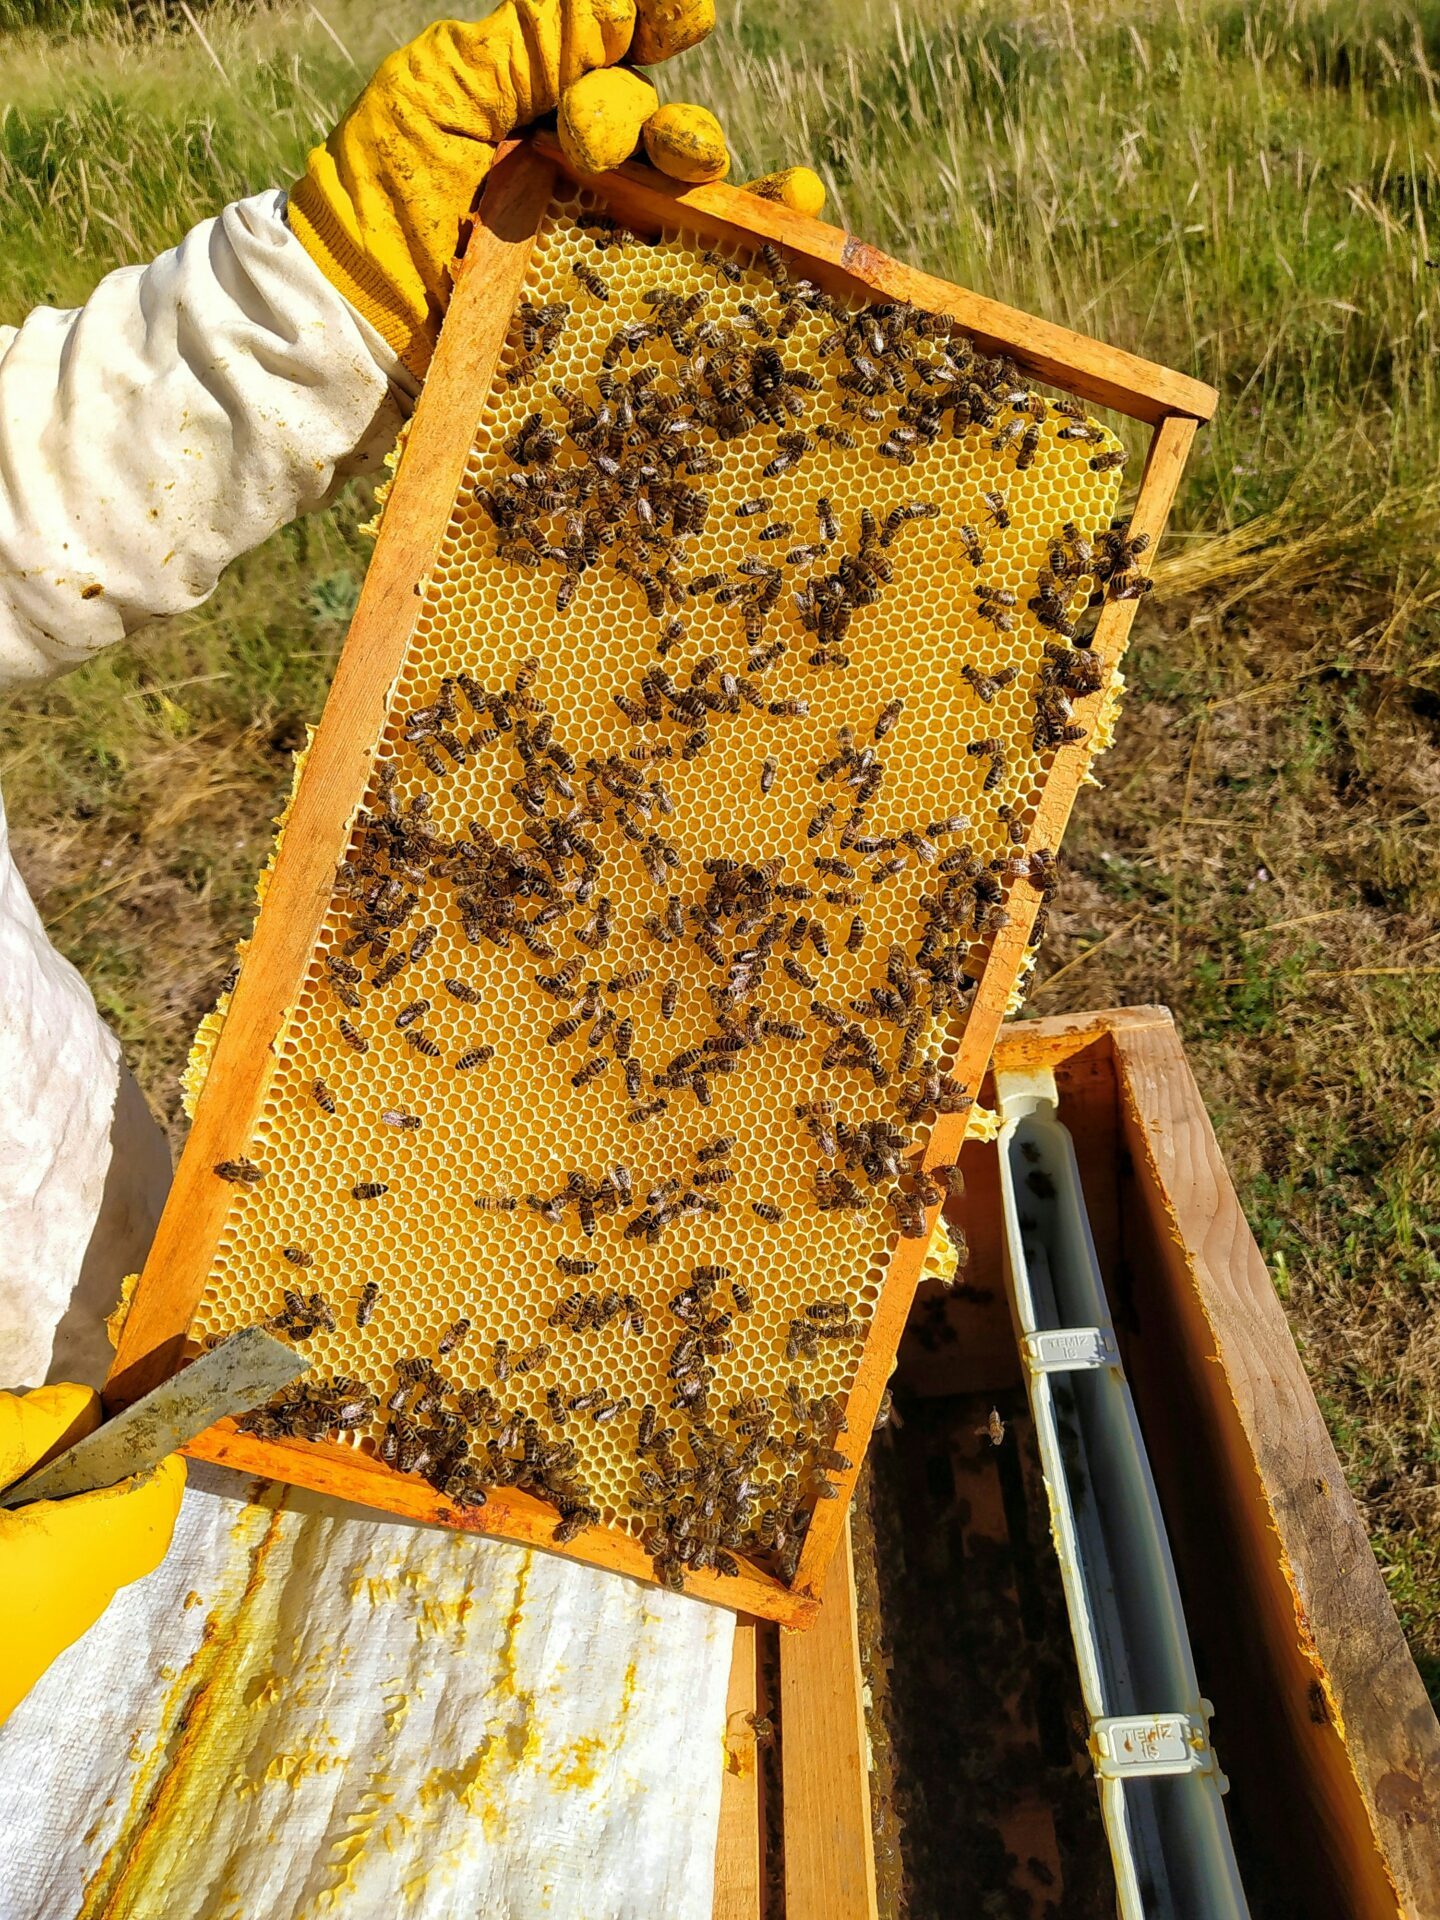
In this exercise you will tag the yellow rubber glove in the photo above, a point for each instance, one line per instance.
(63, 1561)
(381, 205)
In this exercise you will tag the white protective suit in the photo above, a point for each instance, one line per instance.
(305, 1710)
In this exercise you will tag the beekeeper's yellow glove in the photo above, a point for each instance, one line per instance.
(62, 1561)
(382, 203)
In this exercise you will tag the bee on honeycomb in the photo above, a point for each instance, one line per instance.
(736, 681)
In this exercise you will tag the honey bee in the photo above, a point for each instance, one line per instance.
(561, 984)
(241, 1173)
(905, 515)
(766, 1210)
(533, 1357)
(523, 368)
(628, 982)
(462, 990)
(574, 1523)
(365, 1305)
(401, 1121)
(855, 938)
(1029, 447)
(392, 967)
(996, 511)
(297, 1256)
(495, 1202)
(322, 1096)
(1007, 436)
(995, 750)
(474, 1057)
(369, 1189)
(407, 1016)
(671, 634)
(352, 1037)
(792, 447)
(422, 1043)
(1108, 462)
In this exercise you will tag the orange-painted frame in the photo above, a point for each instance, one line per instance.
(489, 281)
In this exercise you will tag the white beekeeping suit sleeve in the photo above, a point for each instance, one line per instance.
(180, 416)
(303, 1710)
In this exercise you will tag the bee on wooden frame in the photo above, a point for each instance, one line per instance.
(240, 1173)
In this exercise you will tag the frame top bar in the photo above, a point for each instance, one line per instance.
(1102, 374)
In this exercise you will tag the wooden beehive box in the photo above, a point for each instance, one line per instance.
(1321, 1722)
(696, 759)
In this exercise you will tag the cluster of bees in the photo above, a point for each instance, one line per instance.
(702, 1515)
(618, 480)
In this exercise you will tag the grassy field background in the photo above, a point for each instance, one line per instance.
(1244, 191)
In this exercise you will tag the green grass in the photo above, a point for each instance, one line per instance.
(1246, 192)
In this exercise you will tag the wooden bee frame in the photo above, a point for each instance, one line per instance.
(489, 280)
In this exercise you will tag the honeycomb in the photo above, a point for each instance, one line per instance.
(434, 1178)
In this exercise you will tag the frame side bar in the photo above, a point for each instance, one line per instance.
(333, 782)
(1164, 464)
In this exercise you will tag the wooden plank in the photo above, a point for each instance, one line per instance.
(739, 1843)
(346, 1473)
(1005, 962)
(1301, 1622)
(1096, 372)
(334, 780)
(1050, 1041)
(829, 1851)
